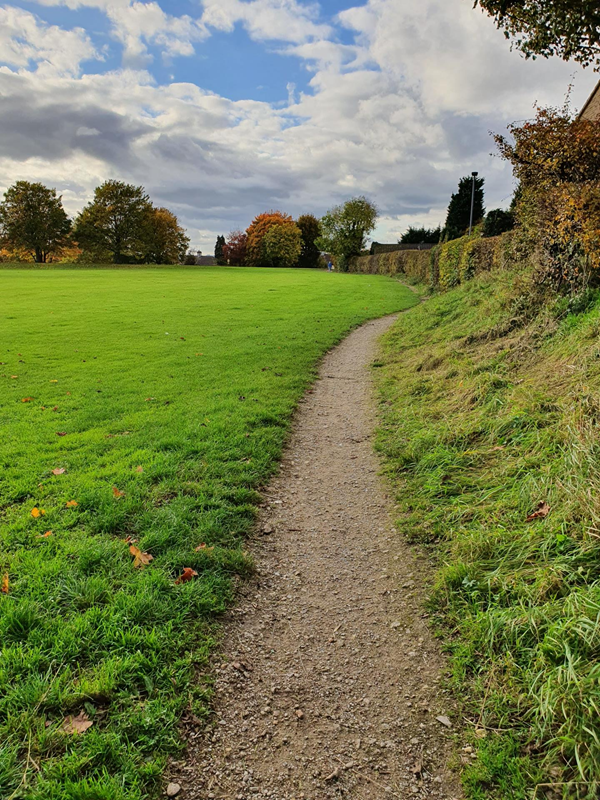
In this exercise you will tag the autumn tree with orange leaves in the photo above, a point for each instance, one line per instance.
(556, 160)
(282, 246)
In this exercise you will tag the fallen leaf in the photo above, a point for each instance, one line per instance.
(45, 535)
(542, 511)
(54, 381)
(148, 399)
(187, 575)
(14, 376)
(204, 547)
(37, 512)
(55, 408)
(27, 399)
(61, 433)
(139, 469)
(4, 587)
(129, 540)
(498, 447)
(72, 503)
(78, 724)
(141, 560)
(59, 471)
(118, 493)
(445, 721)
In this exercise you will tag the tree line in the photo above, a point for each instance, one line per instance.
(458, 217)
(120, 225)
(275, 239)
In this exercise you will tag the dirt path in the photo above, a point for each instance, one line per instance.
(329, 683)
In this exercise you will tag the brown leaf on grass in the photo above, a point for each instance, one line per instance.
(59, 471)
(37, 512)
(130, 540)
(139, 469)
(542, 511)
(4, 587)
(72, 503)
(27, 399)
(204, 547)
(14, 376)
(140, 560)
(187, 575)
(55, 408)
(78, 724)
(498, 447)
(117, 492)
(45, 535)
(61, 433)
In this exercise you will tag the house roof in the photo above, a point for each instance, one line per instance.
(591, 109)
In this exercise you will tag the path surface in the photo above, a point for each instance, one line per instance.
(328, 686)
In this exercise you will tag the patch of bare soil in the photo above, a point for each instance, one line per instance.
(329, 679)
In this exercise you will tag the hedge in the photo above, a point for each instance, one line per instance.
(446, 265)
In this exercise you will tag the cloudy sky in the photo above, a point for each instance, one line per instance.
(226, 108)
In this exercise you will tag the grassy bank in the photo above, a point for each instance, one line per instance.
(488, 413)
(145, 409)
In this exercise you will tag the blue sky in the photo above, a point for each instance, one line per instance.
(225, 108)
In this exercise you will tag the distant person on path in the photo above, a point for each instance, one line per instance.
(329, 266)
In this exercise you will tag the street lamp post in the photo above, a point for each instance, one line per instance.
(474, 176)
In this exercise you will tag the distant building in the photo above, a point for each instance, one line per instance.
(206, 261)
(591, 109)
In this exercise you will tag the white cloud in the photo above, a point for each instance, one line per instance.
(282, 20)
(453, 56)
(25, 40)
(137, 24)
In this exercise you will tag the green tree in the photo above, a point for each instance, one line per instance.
(165, 241)
(114, 223)
(310, 229)
(219, 254)
(282, 245)
(345, 228)
(498, 221)
(421, 235)
(566, 28)
(32, 217)
(459, 210)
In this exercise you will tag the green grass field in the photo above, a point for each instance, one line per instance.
(166, 397)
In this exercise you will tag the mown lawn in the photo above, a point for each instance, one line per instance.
(490, 431)
(163, 399)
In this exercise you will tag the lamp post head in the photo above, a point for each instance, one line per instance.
(474, 174)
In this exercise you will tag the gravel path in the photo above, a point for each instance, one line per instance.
(328, 685)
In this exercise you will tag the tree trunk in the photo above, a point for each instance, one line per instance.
(39, 255)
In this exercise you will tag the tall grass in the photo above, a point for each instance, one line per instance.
(486, 412)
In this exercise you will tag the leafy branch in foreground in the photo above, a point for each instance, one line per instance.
(566, 28)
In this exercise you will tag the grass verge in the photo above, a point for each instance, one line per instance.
(140, 408)
(489, 411)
